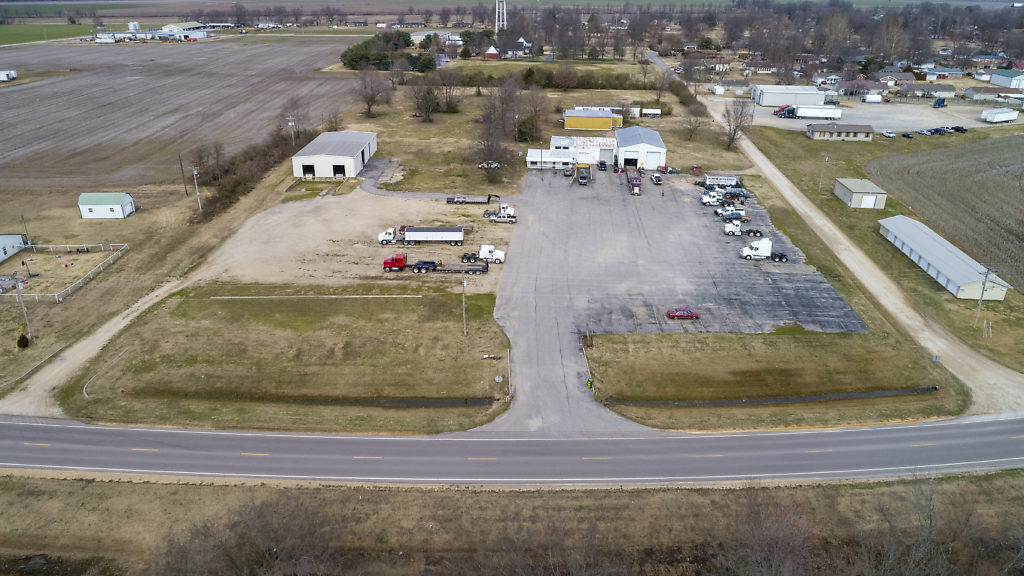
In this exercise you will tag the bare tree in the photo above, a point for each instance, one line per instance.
(425, 99)
(645, 66)
(697, 120)
(449, 82)
(739, 115)
(428, 14)
(397, 73)
(444, 15)
(565, 76)
(372, 89)
(662, 82)
(297, 13)
(771, 536)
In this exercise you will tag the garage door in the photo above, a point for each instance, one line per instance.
(653, 160)
(630, 158)
(607, 154)
(867, 201)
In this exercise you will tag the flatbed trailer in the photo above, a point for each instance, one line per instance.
(472, 199)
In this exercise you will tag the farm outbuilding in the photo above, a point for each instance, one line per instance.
(770, 95)
(334, 155)
(961, 275)
(859, 193)
(639, 146)
(834, 131)
(1008, 79)
(106, 204)
(10, 244)
(591, 120)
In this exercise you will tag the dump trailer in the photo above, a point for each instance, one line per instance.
(583, 174)
(633, 180)
(757, 250)
(413, 235)
(473, 199)
(999, 115)
(720, 180)
(815, 112)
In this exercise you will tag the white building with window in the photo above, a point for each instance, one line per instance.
(106, 204)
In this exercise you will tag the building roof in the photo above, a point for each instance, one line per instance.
(774, 88)
(836, 127)
(928, 88)
(861, 186)
(193, 25)
(948, 259)
(1007, 73)
(589, 113)
(991, 90)
(638, 135)
(345, 143)
(539, 155)
(102, 198)
(901, 76)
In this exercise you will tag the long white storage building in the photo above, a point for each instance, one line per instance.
(771, 95)
(957, 272)
(334, 155)
(106, 204)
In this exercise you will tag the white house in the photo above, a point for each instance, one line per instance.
(1008, 78)
(334, 155)
(10, 244)
(106, 204)
(639, 146)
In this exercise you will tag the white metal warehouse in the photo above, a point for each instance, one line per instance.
(639, 146)
(859, 193)
(961, 275)
(106, 204)
(10, 244)
(334, 155)
(567, 150)
(771, 95)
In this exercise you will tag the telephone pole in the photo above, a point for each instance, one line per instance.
(23, 310)
(984, 283)
(195, 180)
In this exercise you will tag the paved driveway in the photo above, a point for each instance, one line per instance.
(593, 257)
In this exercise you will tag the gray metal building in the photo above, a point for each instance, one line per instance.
(334, 155)
(961, 275)
(859, 193)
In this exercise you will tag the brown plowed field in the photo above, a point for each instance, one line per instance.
(126, 111)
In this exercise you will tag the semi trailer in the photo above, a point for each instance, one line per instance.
(413, 235)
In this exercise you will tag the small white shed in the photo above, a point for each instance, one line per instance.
(859, 193)
(640, 147)
(10, 244)
(334, 155)
(106, 204)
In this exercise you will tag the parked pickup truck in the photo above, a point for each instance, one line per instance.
(506, 218)
(735, 215)
(722, 211)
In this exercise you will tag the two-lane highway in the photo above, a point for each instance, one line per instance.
(475, 458)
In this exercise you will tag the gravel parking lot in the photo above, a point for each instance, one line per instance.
(892, 116)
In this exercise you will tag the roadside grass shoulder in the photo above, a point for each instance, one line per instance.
(21, 33)
(802, 160)
(311, 358)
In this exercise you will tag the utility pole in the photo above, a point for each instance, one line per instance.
(984, 283)
(822, 174)
(184, 182)
(25, 226)
(24, 311)
(291, 126)
(195, 180)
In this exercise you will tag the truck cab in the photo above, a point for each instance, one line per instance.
(396, 263)
(757, 250)
(711, 198)
(388, 236)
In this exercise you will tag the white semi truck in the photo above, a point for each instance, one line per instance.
(487, 253)
(413, 235)
(757, 250)
(815, 112)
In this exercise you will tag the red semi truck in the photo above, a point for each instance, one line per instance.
(633, 180)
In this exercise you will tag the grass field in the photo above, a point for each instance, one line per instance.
(974, 521)
(19, 33)
(953, 200)
(280, 359)
(703, 367)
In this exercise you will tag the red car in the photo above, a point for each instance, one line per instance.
(684, 313)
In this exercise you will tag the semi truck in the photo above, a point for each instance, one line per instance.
(757, 250)
(460, 199)
(633, 180)
(413, 235)
(999, 115)
(400, 262)
(815, 112)
(487, 253)
(502, 208)
(734, 228)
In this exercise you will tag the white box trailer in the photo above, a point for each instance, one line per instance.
(818, 112)
(721, 180)
(413, 235)
(872, 98)
(999, 115)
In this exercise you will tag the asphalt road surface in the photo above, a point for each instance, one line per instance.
(478, 459)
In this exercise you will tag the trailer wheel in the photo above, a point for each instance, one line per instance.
(747, 257)
(497, 260)
(758, 234)
(459, 243)
(785, 259)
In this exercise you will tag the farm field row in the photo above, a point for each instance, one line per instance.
(949, 200)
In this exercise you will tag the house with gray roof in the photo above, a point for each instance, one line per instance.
(928, 90)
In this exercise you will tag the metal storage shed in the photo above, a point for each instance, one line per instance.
(859, 193)
(334, 155)
(639, 146)
(10, 244)
(961, 275)
(770, 95)
(591, 120)
(105, 204)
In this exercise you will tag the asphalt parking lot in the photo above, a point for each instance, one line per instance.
(626, 259)
(893, 116)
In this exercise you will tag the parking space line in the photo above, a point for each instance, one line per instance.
(254, 454)
(817, 451)
(925, 445)
(34, 444)
(144, 450)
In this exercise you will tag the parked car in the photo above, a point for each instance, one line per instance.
(959, 129)
(925, 132)
(567, 172)
(908, 134)
(656, 178)
(602, 165)
(683, 313)
(888, 134)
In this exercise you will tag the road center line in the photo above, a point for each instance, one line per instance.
(1016, 437)
(34, 444)
(597, 458)
(368, 457)
(708, 455)
(144, 450)
(818, 451)
(254, 454)
(488, 459)
(922, 445)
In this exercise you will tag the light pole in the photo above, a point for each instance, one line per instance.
(984, 284)
(23, 310)
(822, 174)
(195, 180)
(464, 332)
(291, 126)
